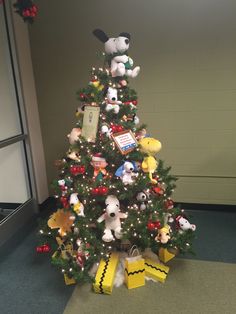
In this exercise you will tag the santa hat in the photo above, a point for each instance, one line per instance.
(98, 157)
(177, 219)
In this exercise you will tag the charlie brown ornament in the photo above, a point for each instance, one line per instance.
(99, 164)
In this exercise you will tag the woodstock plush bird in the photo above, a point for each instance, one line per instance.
(151, 147)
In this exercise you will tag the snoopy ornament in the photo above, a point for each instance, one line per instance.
(112, 102)
(183, 224)
(78, 207)
(112, 216)
(121, 63)
(142, 198)
(126, 172)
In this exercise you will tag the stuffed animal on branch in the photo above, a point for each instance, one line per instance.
(151, 147)
(112, 216)
(142, 198)
(112, 102)
(78, 207)
(121, 63)
(126, 172)
(183, 224)
(163, 235)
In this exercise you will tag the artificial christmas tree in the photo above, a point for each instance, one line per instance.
(112, 192)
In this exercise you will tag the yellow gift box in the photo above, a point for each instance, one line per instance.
(106, 274)
(155, 270)
(134, 272)
(68, 280)
(164, 255)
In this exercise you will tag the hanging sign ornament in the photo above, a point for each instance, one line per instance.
(125, 141)
(26, 9)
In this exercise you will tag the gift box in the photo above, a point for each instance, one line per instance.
(68, 280)
(106, 274)
(134, 272)
(164, 255)
(155, 270)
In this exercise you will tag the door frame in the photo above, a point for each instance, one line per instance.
(11, 223)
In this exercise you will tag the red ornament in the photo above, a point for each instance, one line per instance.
(95, 191)
(103, 190)
(150, 225)
(76, 169)
(116, 128)
(45, 248)
(153, 225)
(82, 169)
(131, 102)
(119, 128)
(64, 202)
(82, 96)
(158, 190)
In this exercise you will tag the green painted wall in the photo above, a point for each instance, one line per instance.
(187, 85)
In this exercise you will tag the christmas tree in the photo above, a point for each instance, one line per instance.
(112, 191)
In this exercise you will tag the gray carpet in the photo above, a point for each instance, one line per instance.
(192, 286)
(30, 285)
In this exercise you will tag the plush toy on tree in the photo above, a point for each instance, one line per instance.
(151, 147)
(112, 218)
(121, 63)
(112, 102)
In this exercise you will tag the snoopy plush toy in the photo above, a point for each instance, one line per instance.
(126, 172)
(121, 63)
(112, 102)
(112, 216)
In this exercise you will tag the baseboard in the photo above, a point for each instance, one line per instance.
(210, 207)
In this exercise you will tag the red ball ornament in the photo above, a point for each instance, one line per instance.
(119, 128)
(45, 248)
(150, 225)
(82, 96)
(113, 128)
(158, 190)
(95, 191)
(157, 224)
(74, 170)
(153, 225)
(135, 102)
(82, 169)
(103, 190)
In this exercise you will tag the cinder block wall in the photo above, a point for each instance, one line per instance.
(186, 88)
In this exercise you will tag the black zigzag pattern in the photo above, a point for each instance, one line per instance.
(104, 274)
(134, 272)
(156, 268)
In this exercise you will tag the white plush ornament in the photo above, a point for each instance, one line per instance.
(121, 64)
(112, 102)
(78, 207)
(136, 119)
(62, 183)
(106, 130)
(183, 224)
(142, 198)
(74, 135)
(126, 172)
(112, 218)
